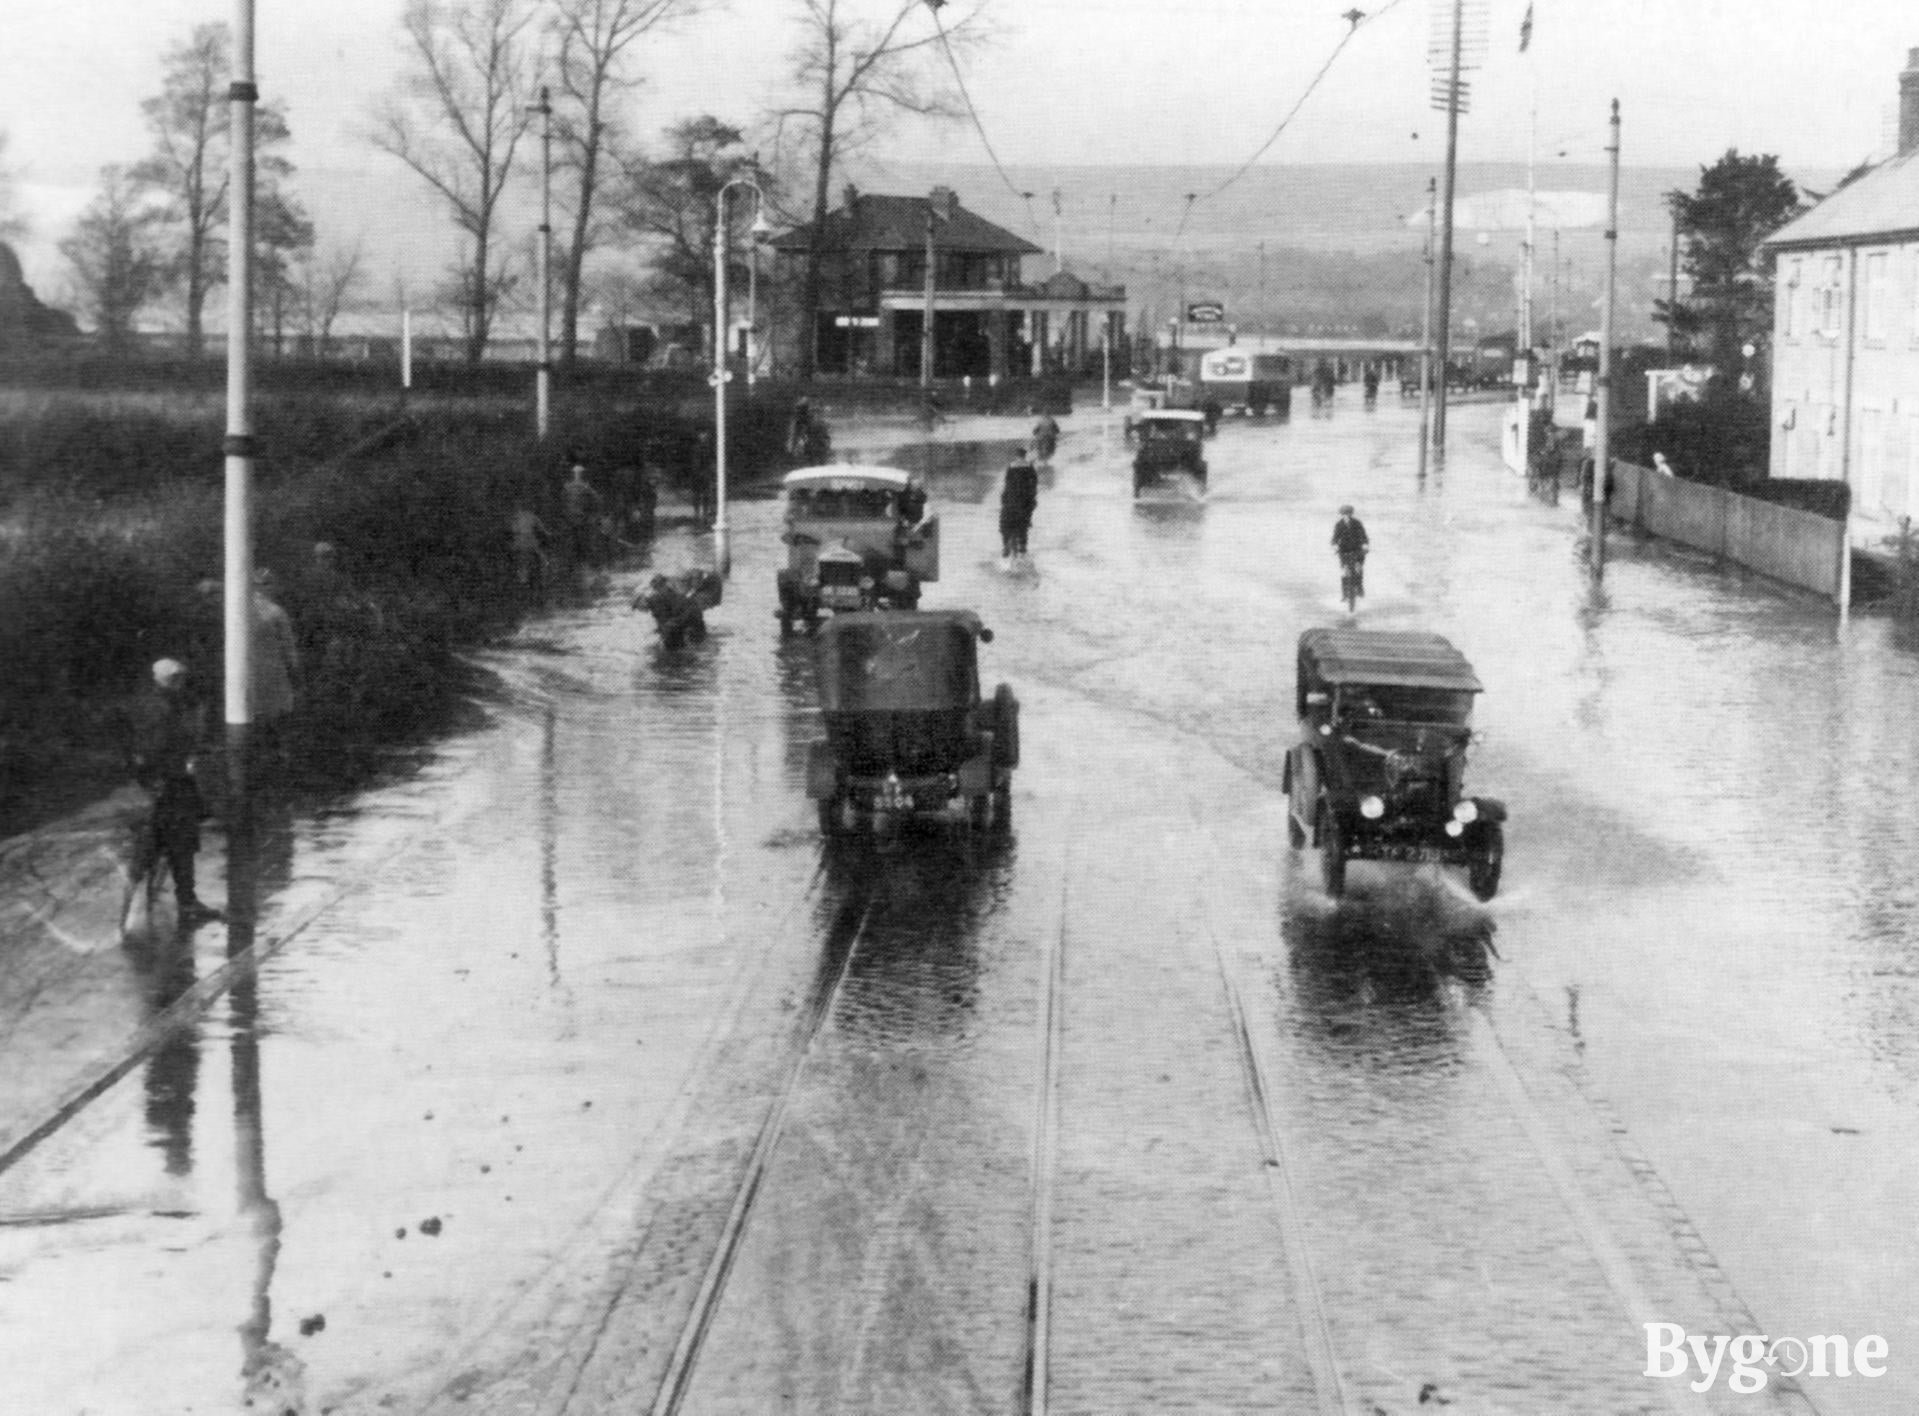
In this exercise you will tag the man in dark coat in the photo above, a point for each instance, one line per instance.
(1018, 499)
(163, 736)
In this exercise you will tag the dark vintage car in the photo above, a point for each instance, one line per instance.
(1168, 441)
(907, 731)
(1379, 771)
(857, 538)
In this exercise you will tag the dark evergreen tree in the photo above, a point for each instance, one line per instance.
(1722, 226)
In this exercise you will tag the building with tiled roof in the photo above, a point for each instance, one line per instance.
(1845, 364)
(987, 322)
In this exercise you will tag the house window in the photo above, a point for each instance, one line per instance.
(1831, 304)
(1789, 304)
(1875, 295)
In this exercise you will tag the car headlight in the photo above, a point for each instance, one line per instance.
(1454, 828)
(1372, 808)
(1466, 812)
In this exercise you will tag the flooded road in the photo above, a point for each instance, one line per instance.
(583, 1078)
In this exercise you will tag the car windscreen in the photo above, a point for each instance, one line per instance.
(901, 665)
(1398, 703)
(820, 503)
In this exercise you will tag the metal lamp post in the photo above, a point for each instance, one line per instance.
(240, 446)
(722, 551)
(543, 377)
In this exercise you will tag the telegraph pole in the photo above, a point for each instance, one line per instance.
(926, 322)
(1602, 442)
(1426, 332)
(239, 448)
(1445, 319)
(1672, 284)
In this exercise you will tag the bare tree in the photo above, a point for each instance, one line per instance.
(595, 41)
(473, 294)
(457, 120)
(118, 263)
(189, 119)
(324, 282)
(851, 72)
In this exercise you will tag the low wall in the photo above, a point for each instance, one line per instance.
(1794, 546)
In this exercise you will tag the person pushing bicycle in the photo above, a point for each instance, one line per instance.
(1350, 543)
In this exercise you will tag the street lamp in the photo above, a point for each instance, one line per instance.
(722, 554)
(543, 378)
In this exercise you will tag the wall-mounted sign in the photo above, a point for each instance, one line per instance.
(857, 321)
(1205, 312)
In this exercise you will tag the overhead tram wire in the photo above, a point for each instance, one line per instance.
(972, 113)
(1355, 19)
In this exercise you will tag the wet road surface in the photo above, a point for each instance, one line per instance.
(585, 1079)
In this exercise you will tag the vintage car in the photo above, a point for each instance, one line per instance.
(856, 539)
(1170, 440)
(907, 731)
(1379, 771)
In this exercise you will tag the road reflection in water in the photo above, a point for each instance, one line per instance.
(914, 975)
(259, 862)
(167, 969)
(1372, 969)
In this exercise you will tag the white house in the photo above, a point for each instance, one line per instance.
(1845, 376)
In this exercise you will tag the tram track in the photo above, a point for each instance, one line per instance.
(755, 1183)
(1035, 1387)
(1322, 1357)
(684, 1361)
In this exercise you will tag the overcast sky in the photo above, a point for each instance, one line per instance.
(1072, 82)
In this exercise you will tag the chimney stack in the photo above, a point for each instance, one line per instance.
(1909, 104)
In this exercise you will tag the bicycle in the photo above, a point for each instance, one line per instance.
(1352, 578)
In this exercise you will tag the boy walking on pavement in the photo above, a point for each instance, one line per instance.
(164, 733)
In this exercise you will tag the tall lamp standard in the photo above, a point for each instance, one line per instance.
(543, 378)
(722, 551)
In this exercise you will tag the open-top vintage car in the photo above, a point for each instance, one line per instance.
(1169, 440)
(907, 731)
(1379, 771)
(856, 539)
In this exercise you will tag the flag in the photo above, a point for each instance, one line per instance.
(1526, 28)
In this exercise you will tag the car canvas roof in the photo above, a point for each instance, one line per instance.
(1406, 659)
(845, 477)
(898, 624)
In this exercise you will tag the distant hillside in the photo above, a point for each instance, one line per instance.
(1342, 242)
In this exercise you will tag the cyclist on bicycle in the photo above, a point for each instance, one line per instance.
(1349, 542)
